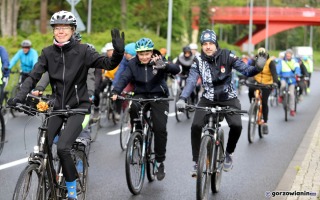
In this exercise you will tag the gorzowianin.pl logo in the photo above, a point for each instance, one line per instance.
(271, 194)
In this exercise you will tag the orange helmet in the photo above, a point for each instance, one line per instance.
(163, 51)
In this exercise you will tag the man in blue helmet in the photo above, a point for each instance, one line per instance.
(214, 66)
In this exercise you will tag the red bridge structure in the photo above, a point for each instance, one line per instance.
(280, 19)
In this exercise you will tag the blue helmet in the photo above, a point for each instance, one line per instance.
(144, 44)
(130, 49)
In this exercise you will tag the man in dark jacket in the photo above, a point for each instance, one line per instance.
(149, 82)
(214, 66)
(67, 63)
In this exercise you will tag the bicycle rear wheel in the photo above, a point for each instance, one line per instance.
(252, 121)
(218, 163)
(31, 184)
(135, 166)
(125, 128)
(14, 92)
(204, 163)
(2, 132)
(150, 157)
(80, 160)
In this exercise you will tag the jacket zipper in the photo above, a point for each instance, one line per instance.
(76, 87)
(63, 76)
(145, 69)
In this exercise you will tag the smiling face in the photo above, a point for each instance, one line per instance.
(62, 32)
(144, 56)
(209, 48)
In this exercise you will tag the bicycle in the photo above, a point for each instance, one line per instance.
(15, 90)
(255, 110)
(286, 99)
(274, 96)
(42, 178)
(125, 125)
(212, 153)
(106, 105)
(140, 148)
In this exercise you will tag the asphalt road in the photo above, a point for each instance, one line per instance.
(258, 167)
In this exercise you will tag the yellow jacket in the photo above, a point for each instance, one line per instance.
(265, 76)
(110, 73)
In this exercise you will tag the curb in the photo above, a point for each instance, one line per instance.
(289, 180)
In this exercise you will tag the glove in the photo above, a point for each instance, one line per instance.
(117, 41)
(261, 60)
(181, 104)
(160, 64)
(5, 68)
(13, 101)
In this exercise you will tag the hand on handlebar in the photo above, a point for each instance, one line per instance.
(13, 101)
(181, 104)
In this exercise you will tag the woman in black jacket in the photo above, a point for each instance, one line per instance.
(67, 63)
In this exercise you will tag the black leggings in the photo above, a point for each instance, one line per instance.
(265, 96)
(70, 133)
(234, 122)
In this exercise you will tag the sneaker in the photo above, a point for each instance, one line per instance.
(194, 171)
(227, 164)
(160, 172)
(280, 99)
(265, 129)
(292, 113)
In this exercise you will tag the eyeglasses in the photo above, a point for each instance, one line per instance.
(64, 28)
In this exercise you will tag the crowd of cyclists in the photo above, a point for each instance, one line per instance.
(78, 74)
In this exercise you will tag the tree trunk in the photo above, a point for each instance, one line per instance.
(9, 17)
(14, 24)
(43, 16)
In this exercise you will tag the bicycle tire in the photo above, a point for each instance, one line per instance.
(14, 92)
(218, 163)
(252, 121)
(2, 132)
(80, 155)
(150, 157)
(125, 128)
(135, 166)
(30, 185)
(285, 105)
(204, 172)
(177, 112)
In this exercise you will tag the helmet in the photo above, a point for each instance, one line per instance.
(208, 36)
(193, 46)
(63, 17)
(77, 36)
(130, 49)
(26, 43)
(108, 46)
(186, 49)
(261, 50)
(163, 51)
(305, 58)
(289, 51)
(144, 44)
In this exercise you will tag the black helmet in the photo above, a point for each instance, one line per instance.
(77, 36)
(186, 49)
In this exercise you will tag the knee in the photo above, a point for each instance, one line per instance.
(237, 128)
(62, 151)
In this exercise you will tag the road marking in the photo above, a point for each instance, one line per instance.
(14, 163)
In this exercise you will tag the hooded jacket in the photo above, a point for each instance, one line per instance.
(146, 80)
(68, 69)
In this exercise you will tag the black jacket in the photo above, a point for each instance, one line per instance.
(145, 79)
(68, 68)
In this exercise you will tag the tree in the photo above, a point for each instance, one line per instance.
(9, 17)
(43, 16)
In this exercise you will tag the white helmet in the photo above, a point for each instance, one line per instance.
(63, 17)
(193, 46)
(108, 46)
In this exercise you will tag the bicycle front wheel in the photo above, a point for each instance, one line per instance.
(218, 163)
(2, 132)
(135, 165)
(31, 184)
(204, 171)
(125, 128)
(252, 121)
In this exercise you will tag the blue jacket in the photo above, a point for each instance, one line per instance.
(123, 65)
(288, 70)
(27, 60)
(4, 61)
(216, 74)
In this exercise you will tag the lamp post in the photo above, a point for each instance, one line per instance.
(250, 28)
(169, 30)
(311, 28)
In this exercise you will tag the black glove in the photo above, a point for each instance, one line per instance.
(117, 41)
(13, 101)
(261, 60)
(160, 64)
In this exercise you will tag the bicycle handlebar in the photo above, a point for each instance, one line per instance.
(144, 100)
(219, 109)
(258, 85)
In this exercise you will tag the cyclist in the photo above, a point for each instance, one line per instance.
(268, 76)
(67, 63)
(287, 70)
(214, 66)
(4, 72)
(194, 49)
(149, 82)
(309, 65)
(301, 81)
(28, 58)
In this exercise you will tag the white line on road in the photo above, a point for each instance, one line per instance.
(14, 163)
